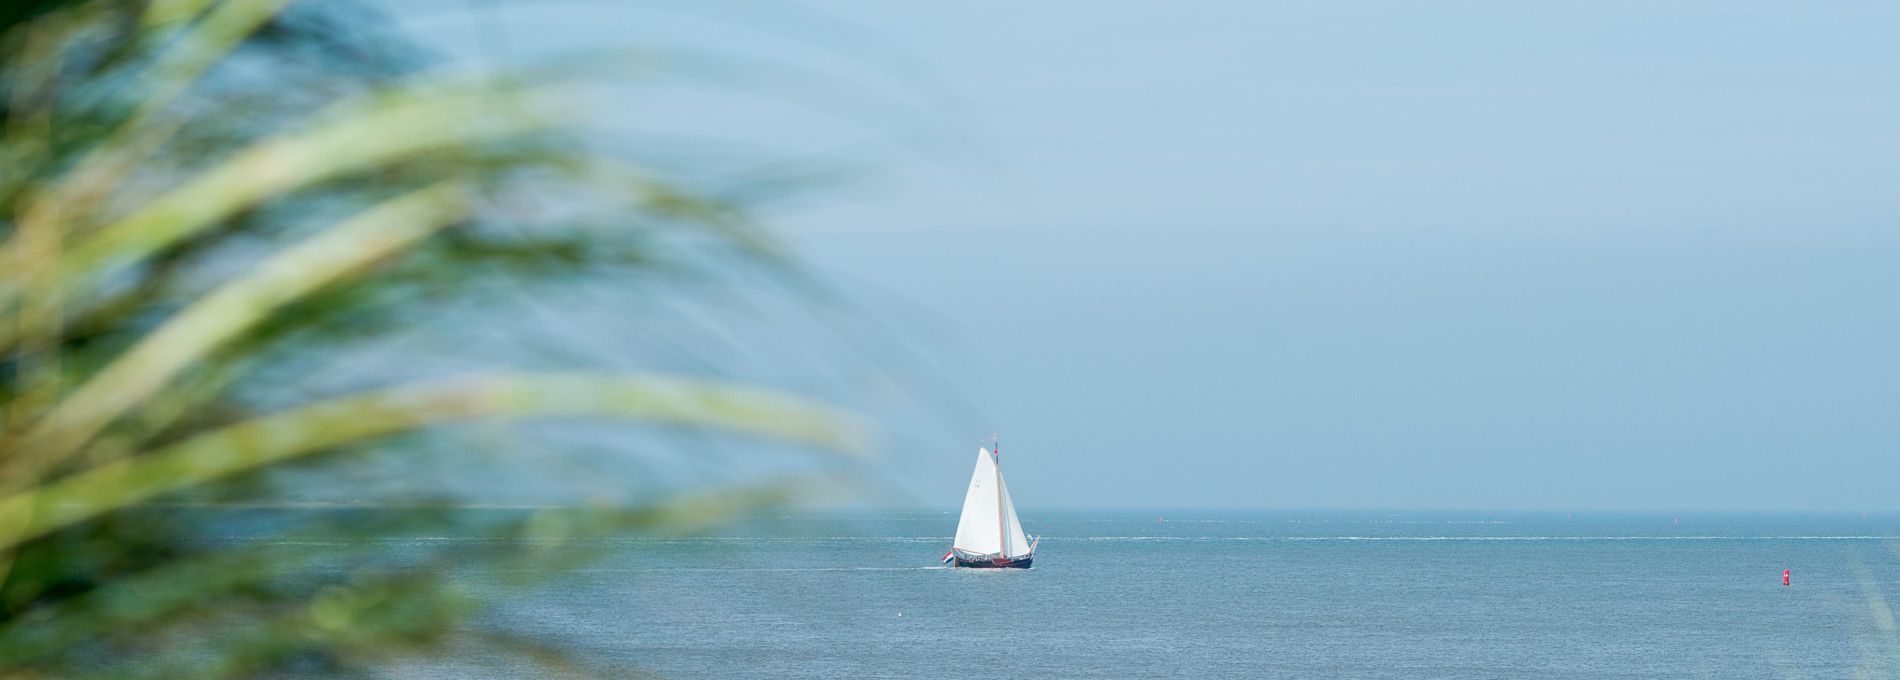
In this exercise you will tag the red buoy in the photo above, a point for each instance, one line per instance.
(1784, 576)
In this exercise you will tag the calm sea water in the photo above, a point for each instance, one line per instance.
(1236, 594)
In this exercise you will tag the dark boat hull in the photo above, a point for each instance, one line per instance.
(994, 562)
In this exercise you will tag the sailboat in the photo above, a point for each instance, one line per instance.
(988, 535)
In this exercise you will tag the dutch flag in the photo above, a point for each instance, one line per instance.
(949, 556)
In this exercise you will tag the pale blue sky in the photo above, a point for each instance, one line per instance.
(1370, 254)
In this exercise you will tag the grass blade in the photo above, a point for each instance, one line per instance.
(227, 312)
(275, 438)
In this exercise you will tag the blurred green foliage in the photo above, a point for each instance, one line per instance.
(196, 195)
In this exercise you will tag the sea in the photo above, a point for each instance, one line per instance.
(1227, 594)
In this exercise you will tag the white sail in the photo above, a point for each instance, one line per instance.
(1015, 544)
(989, 525)
(977, 530)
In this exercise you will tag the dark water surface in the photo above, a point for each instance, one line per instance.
(1235, 594)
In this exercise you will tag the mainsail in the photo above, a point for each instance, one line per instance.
(989, 525)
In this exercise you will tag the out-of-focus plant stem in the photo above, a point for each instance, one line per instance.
(271, 439)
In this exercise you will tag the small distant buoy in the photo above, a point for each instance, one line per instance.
(1786, 577)
(900, 615)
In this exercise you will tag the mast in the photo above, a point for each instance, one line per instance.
(1002, 533)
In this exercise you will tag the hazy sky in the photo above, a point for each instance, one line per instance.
(1558, 255)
